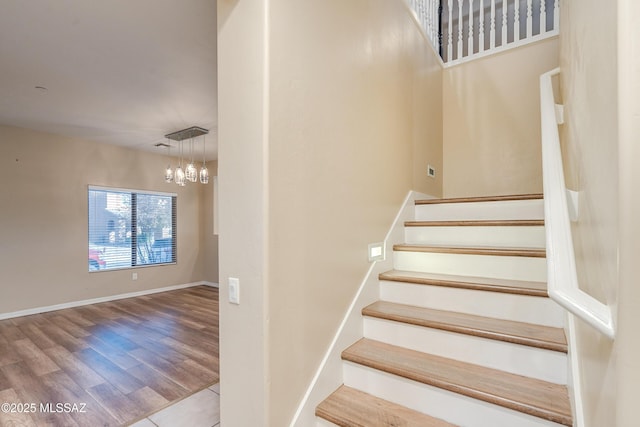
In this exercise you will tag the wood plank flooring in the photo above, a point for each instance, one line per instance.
(348, 407)
(519, 287)
(478, 223)
(122, 359)
(531, 396)
(467, 250)
(528, 334)
(481, 199)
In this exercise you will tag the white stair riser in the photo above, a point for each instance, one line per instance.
(452, 407)
(321, 422)
(518, 359)
(515, 209)
(520, 308)
(497, 236)
(498, 267)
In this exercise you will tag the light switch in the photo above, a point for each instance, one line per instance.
(234, 290)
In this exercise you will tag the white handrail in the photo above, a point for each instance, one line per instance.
(562, 279)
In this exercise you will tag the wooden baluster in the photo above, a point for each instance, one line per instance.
(543, 17)
(529, 19)
(516, 21)
(505, 8)
(556, 15)
(481, 27)
(460, 27)
(450, 32)
(492, 28)
(470, 35)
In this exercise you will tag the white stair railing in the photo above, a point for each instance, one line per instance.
(562, 278)
(501, 24)
(427, 12)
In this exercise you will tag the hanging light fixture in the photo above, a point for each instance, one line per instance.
(190, 173)
(204, 172)
(168, 173)
(180, 176)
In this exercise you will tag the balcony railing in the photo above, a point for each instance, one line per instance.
(461, 30)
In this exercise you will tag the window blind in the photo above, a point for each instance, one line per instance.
(131, 228)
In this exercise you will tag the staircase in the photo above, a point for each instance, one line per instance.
(464, 333)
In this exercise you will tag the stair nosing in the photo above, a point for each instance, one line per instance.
(473, 250)
(510, 337)
(478, 223)
(514, 290)
(323, 412)
(532, 196)
(453, 385)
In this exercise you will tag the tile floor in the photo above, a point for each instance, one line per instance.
(201, 409)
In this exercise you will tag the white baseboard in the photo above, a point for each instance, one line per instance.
(575, 380)
(212, 284)
(72, 304)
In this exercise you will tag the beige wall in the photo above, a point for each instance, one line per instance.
(628, 344)
(242, 140)
(492, 122)
(43, 225)
(313, 167)
(209, 241)
(354, 103)
(599, 164)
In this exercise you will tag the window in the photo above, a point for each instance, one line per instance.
(129, 228)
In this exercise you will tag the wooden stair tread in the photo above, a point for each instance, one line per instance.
(535, 397)
(519, 287)
(473, 250)
(480, 199)
(348, 407)
(478, 223)
(528, 334)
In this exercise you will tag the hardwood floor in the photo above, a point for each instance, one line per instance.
(117, 362)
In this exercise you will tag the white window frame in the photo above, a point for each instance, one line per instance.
(174, 199)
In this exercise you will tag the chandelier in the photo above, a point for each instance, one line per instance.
(189, 172)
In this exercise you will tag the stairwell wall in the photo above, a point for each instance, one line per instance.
(589, 139)
(599, 86)
(329, 112)
(491, 124)
(355, 94)
(628, 351)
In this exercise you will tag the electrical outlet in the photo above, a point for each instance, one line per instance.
(134, 276)
(431, 171)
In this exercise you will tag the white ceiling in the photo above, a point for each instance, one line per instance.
(122, 72)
